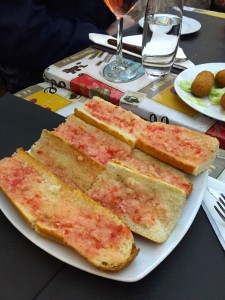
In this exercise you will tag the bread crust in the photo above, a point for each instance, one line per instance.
(76, 168)
(128, 139)
(117, 121)
(141, 140)
(166, 157)
(206, 147)
(133, 158)
(53, 206)
(150, 207)
(99, 145)
(48, 233)
(150, 166)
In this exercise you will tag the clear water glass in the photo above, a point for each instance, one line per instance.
(161, 35)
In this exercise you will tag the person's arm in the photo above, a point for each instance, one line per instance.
(31, 37)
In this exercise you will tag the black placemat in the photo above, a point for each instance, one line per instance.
(21, 123)
(25, 268)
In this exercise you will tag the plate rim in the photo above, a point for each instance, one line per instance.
(180, 92)
(188, 19)
(196, 23)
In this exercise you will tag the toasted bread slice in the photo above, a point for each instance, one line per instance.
(72, 165)
(79, 170)
(113, 119)
(185, 149)
(151, 166)
(150, 207)
(79, 167)
(65, 215)
(97, 144)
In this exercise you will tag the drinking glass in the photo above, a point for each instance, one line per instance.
(161, 34)
(122, 69)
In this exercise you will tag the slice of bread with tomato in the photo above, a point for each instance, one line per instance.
(185, 149)
(68, 216)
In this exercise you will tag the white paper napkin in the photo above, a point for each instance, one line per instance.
(208, 205)
(135, 40)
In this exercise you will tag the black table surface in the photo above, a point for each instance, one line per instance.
(194, 270)
(208, 44)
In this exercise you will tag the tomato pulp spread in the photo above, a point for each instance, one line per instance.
(68, 215)
(97, 144)
(115, 116)
(178, 141)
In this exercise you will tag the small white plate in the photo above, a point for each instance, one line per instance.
(150, 255)
(210, 110)
(189, 25)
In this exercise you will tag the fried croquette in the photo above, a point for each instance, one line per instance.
(220, 79)
(222, 101)
(202, 84)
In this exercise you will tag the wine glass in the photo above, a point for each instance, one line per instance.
(122, 69)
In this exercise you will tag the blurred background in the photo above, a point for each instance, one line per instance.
(216, 5)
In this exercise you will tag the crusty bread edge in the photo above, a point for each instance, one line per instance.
(167, 166)
(51, 135)
(56, 139)
(88, 118)
(52, 235)
(113, 165)
(171, 160)
(27, 217)
(149, 179)
(177, 163)
(35, 224)
(116, 163)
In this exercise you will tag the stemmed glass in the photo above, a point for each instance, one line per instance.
(121, 69)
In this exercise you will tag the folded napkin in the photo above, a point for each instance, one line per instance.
(208, 205)
(136, 40)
